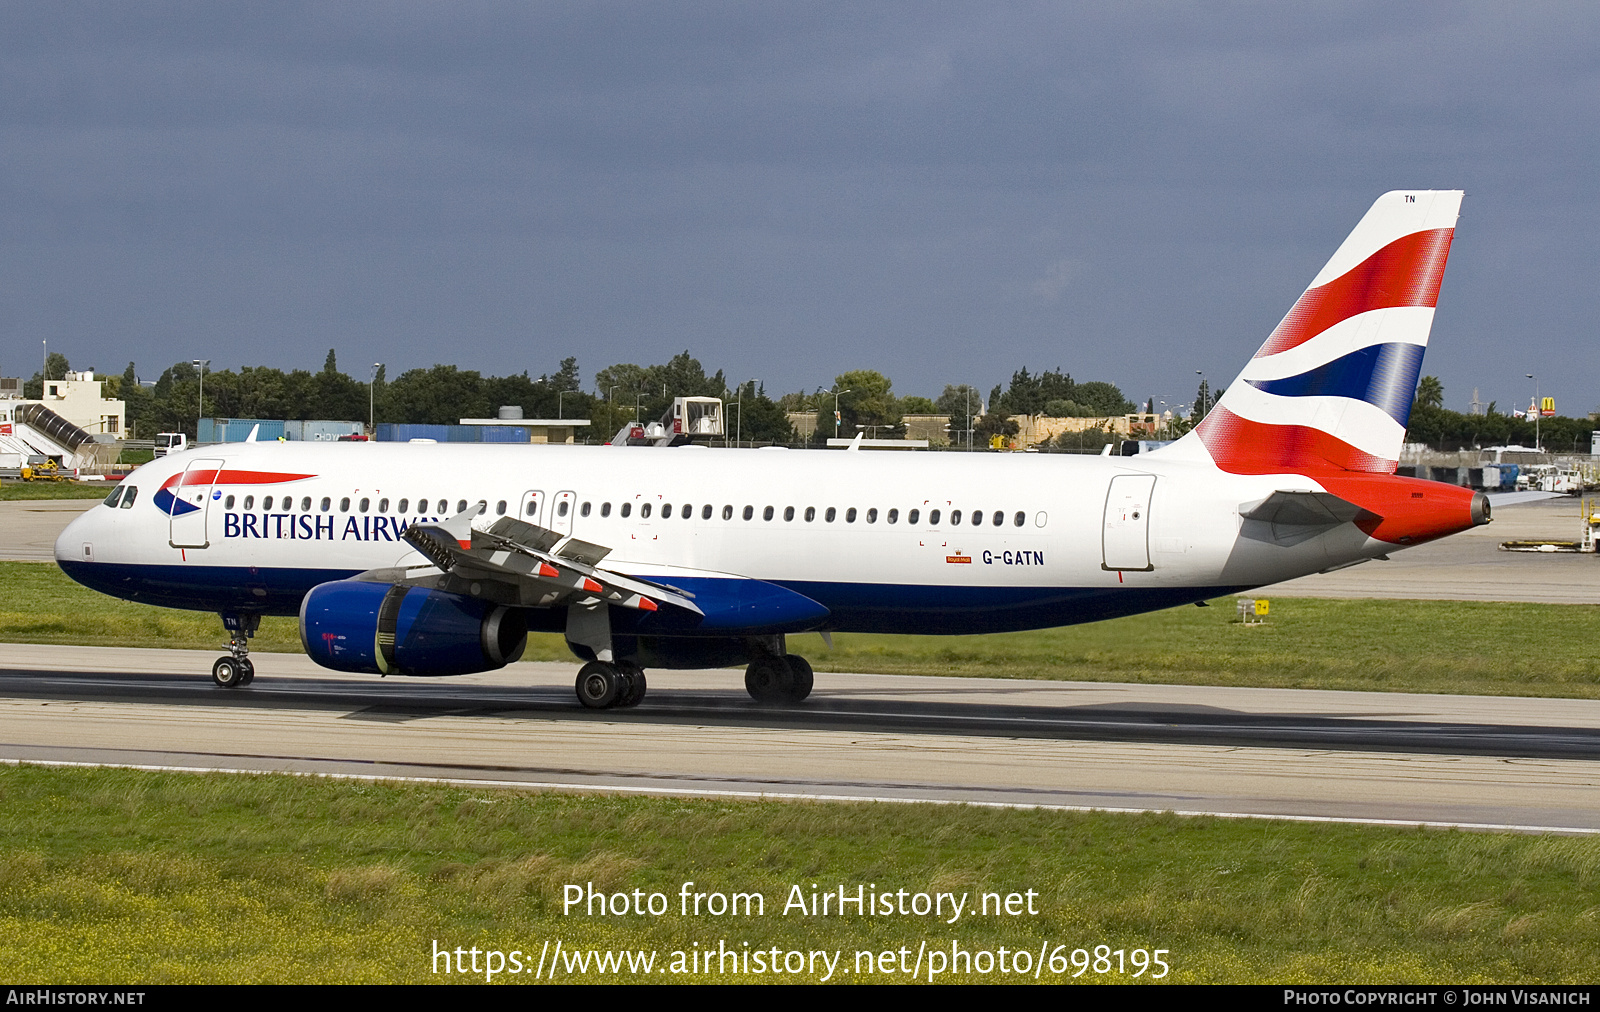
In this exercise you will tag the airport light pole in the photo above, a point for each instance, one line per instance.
(1538, 411)
(200, 364)
(836, 395)
(372, 386)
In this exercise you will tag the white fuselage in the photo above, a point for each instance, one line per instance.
(887, 541)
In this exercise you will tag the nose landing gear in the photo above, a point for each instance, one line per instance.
(235, 670)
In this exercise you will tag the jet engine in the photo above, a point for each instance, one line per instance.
(381, 628)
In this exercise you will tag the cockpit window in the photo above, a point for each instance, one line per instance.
(133, 493)
(116, 493)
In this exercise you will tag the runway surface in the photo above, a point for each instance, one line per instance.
(1366, 757)
(1465, 567)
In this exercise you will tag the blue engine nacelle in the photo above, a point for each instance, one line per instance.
(351, 625)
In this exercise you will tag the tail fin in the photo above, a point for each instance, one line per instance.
(1331, 388)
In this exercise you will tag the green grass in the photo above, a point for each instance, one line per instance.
(13, 490)
(112, 875)
(1412, 646)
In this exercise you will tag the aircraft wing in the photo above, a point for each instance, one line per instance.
(517, 563)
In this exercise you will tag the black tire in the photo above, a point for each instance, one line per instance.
(636, 686)
(768, 680)
(600, 685)
(248, 672)
(800, 687)
(227, 673)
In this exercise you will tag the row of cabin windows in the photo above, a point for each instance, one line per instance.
(441, 506)
(975, 518)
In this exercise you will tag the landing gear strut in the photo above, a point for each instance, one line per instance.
(235, 670)
(605, 682)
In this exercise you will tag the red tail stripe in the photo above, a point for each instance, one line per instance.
(1240, 446)
(1407, 272)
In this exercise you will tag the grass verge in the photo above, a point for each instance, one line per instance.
(12, 491)
(126, 876)
(1480, 648)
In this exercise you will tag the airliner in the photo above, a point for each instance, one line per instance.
(424, 560)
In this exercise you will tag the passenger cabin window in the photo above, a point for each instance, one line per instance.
(955, 517)
(627, 508)
(705, 512)
(811, 513)
(583, 510)
(344, 505)
(999, 518)
(227, 503)
(422, 505)
(749, 512)
(461, 506)
(383, 505)
(850, 515)
(828, 516)
(249, 502)
(872, 516)
(1017, 520)
(605, 509)
(686, 513)
(933, 518)
(483, 507)
(788, 513)
(666, 511)
(401, 506)
(727, 512)
(266, 503)
(766, 514)
(977, 518)
(561, 508)
(911, 517)
(532, 509)
(893, 517)
(644, 511)
(500, 508)
(366, 504)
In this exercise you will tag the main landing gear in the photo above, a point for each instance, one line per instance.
(606, 685)
(606, 682)
(235, 670)
(778, 678)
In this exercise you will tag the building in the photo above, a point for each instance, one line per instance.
(79, 398)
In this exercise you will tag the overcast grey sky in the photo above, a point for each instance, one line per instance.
(943, 192)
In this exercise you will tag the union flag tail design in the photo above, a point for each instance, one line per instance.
(1331, 388)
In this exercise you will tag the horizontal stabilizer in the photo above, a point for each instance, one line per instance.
(1302, 509)
(1499, 499)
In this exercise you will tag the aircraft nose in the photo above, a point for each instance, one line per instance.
(76, 542)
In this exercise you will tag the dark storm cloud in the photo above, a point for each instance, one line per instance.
(941, 192)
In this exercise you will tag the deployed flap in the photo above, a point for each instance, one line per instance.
(583, 551)
(540, 539)
(511, 563)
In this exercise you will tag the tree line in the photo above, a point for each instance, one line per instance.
(864, 400)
